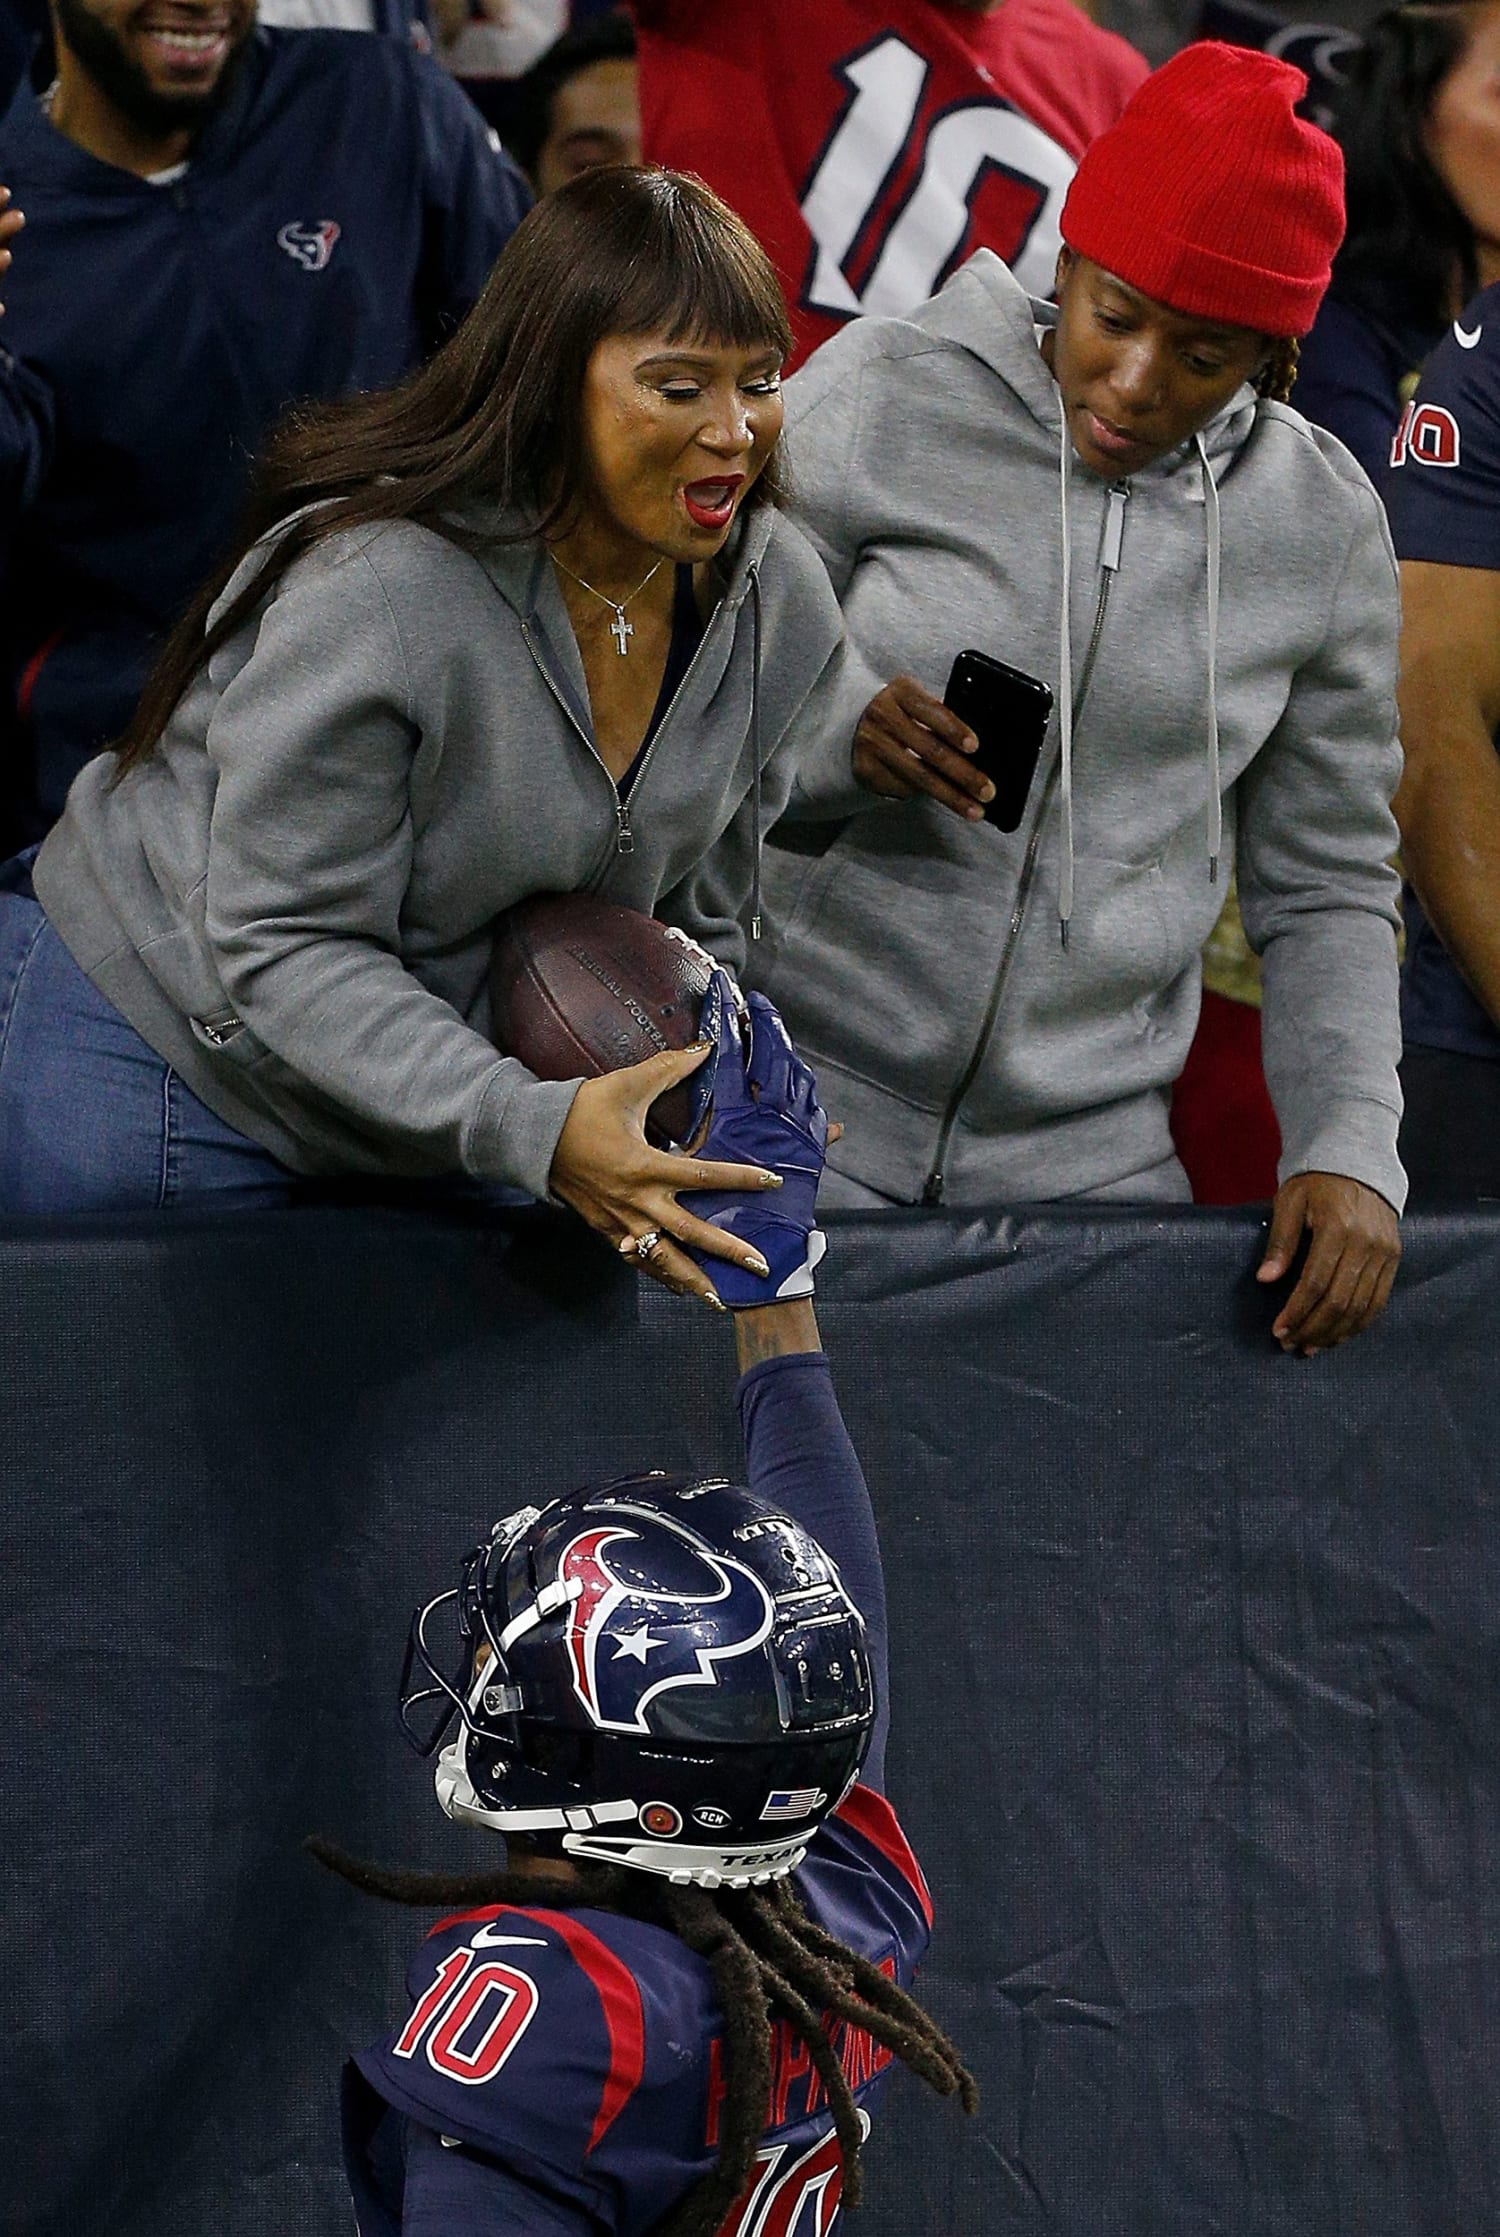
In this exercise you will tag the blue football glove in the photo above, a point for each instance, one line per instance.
(765, 1111)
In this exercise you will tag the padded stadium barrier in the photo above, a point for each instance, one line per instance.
(1196, 1681)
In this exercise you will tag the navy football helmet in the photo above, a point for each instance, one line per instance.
(676, 1681)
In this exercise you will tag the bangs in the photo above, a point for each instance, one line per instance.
(695, 273)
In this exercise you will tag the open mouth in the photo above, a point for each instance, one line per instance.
(711, 503)
(182, 49)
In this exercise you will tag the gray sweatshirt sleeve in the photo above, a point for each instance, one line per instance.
(309, 855)
(825, 402)
(1317, 891)
(712, 904)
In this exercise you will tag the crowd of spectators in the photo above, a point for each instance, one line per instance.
(216, 222)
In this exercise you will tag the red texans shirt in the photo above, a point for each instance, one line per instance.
(872, 145)
(560, 2073)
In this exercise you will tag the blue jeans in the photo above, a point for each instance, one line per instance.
(91, 1119)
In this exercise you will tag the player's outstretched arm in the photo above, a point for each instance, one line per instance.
(775, 1332)
(801, 1459)
(765, 1110)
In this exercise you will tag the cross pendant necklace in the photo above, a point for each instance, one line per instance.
(620, 629)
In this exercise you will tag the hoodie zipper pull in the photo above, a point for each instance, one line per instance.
(1114, 527)
(624, 836)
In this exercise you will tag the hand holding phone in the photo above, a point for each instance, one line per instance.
(909, 744)
(1008, 713)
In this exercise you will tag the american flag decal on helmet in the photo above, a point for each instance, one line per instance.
(794, 1802)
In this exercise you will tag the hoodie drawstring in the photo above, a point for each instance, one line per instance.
(1211, 527)
(755, 615)
(1065, 692)
(1066, 710)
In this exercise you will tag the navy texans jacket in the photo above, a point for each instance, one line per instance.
(337, 220)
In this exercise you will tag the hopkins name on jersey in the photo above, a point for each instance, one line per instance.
(581, 2053)
(872, 145)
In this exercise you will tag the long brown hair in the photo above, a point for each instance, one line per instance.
(1409, 254)
(496, 416)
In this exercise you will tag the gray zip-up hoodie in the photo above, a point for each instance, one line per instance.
(1229, 664)
(292, 900)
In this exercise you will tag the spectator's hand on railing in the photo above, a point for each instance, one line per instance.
(11, 222)
(909, 743)
(1353, 1252)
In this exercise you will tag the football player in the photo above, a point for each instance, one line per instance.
(671, 2011)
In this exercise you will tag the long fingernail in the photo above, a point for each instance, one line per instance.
(770, 1180)
(712, 1297)
(759, 1266)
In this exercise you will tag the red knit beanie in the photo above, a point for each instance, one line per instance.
(1211, 194)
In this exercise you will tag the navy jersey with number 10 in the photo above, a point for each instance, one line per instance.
(559, 2071)
(1443, 497)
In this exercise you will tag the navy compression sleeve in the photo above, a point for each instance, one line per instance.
(802, 1461)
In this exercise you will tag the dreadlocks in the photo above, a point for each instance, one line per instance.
(1277, 376)
(768, 1959)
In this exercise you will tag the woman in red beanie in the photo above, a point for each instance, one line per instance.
(1112, 494)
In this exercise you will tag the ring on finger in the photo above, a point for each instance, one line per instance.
(647, 1245)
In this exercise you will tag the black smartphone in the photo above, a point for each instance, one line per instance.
(1008, 712)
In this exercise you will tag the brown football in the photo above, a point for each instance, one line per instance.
(580, 987)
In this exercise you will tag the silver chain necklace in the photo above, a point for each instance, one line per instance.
(619, 628)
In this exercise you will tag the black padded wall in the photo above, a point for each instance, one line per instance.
(1196, 1683)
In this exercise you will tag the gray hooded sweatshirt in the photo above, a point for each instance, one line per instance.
(1001, 1017)
(292, 900)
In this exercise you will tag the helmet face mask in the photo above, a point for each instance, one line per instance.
(675, 1681)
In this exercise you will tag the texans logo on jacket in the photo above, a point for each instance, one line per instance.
(309, 245)
(627, 1646)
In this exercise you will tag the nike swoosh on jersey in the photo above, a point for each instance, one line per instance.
(1464, 339)
(487, 1939)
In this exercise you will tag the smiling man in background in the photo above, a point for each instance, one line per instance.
(221, 222)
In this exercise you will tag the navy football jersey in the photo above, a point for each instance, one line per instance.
(1443, 496)
(562, 2070)
(1444, 490)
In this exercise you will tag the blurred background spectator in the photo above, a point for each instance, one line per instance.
(1319, 47)
(1419, 122)
(1444, 499)
(1416, 109)
(489, 45)
(27, 50)
(222, 222)
(579, 106)
(872, 145)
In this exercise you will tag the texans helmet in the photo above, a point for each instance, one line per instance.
(676, 1681)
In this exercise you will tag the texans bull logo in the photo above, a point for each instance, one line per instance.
(310, 245)
(629, 1643)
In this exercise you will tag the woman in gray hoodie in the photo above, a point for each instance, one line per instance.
(1109, 494)
(531, 623)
